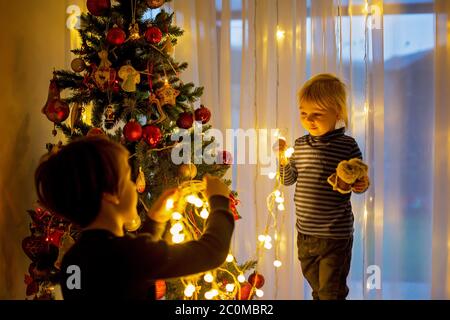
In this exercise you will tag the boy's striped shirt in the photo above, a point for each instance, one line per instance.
(320, 210)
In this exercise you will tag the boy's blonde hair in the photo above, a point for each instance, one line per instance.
(327, 91)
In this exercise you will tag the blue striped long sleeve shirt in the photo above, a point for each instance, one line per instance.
(321, 211)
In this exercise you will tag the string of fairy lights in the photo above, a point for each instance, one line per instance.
(191, 203)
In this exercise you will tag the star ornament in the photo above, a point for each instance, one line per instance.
(167, 95)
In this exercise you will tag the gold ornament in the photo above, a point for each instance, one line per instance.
(130, 78)
(104, 74)
(154, 103)
(167, 95)
(134, 31)
(140, 181)
(168, 46)
(133, 225)
(78, 65)
(75, 115)
(188, 171)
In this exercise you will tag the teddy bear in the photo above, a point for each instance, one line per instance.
(347, 173)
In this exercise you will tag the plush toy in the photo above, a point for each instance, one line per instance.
(347, 173)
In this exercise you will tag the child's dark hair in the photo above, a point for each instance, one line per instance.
(71, 182)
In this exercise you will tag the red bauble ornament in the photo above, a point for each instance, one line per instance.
(244, 292)
(224, 157)
(185, 120)
(116, 36)
(202, 114)
(132, 131)
(153, 35)
(152, 135)
(153, 4)
(98, 7)
(95, 132)
(160, 289)
(256, 280)
(57, 111)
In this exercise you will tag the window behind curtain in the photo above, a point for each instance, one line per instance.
(409, 41)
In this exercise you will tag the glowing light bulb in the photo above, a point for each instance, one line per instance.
(176, 216)
(169, 204)
(209, 295)
(229, 287)
(208, 277)
(281, 207)
(176, 228)
(198, 203)
(259, 293)
(189, 290)
(289, 152)
(230, 258)
(268, 238)
(241, 278)
(262, 238)
(178, 238)
(268, 245)
(204, 213)
(272, 175)
(279, 199)
(214, 292)
(191, 199)
(277, 263)
(280, 34)
(277, 193)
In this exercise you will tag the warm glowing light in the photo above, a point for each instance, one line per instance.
(259, 293)
(272, 175)
(198, 203)
(191, 199)
(176, 228)
(281, 207)
(277, 263)
(204, 213)
(189, 290)
(280, 34)
(169, 204)
(176, 216)
(268, 238)
(211, 294)
(241, 278)
(229, 287)
(279, 199)
(230, 258)
(208, 277)
(289, 152)
(262, 238)
(268, 245)
(277, 193)
(178, 238)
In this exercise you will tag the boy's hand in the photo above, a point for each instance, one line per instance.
(215, 187)
(158, 211)
(282, 158)
(361, 185)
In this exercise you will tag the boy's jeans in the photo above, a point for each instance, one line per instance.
(325, 264)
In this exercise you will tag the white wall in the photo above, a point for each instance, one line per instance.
(34, 41)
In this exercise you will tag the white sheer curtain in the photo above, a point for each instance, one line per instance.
(252, 66)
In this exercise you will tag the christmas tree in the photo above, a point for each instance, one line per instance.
(125, 84)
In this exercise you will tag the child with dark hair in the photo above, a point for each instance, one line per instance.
(89, 182)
